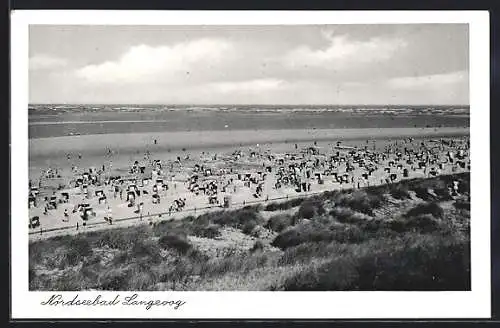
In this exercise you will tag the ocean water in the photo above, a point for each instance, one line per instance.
(63, 120)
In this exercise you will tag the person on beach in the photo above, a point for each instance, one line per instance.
(110, 215)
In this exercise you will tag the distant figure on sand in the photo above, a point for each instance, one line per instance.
(156, 141)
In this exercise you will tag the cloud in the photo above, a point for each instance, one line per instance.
(428, 81)
(342, 52)
(42, 61)
(146, 63)
(250, 86)
(354, 84)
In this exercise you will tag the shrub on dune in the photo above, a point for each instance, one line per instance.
(361, 201)
(248, 227)
(288, 238)
(462, 205)
(238, 218)
(279, 222)
(338, 275)
(344, 214)
(141, 277)
(400, 192)
(69, 281)
(122, 238)
(423, 193)
(423, 223)
(77, 251)
(417, 263)
(176, 242)
(308, 250)
(428, 208)
(257, 246)
(307, 211)
(208, 231)
(146, 248)
(284, 205)
(318, 233)
(310, 208)
(115, 280)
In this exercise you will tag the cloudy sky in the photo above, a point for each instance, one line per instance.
(321, 64)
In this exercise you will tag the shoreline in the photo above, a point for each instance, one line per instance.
(232, 185)
(96, 143)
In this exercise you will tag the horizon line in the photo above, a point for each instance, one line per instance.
(207, 104)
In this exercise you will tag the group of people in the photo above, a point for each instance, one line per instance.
(300, 170)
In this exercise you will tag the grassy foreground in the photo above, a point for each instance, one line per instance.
(412, 235)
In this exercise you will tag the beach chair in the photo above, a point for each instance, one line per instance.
(52, 203)
(31, 202)
(156, 199)
(34, 222)
(130, 196)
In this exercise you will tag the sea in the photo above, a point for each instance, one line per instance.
(54, 120)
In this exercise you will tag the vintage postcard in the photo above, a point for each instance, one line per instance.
(250, 164)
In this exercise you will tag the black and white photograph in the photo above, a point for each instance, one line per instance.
(252, 157)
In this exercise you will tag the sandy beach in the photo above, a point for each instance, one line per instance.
(97, 144)
(182, 152)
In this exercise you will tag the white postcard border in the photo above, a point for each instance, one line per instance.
(473, 304)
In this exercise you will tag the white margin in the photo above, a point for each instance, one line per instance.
(473, 304)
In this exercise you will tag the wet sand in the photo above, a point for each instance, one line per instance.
(96, 144)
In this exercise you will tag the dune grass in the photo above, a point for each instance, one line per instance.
(333, 241)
